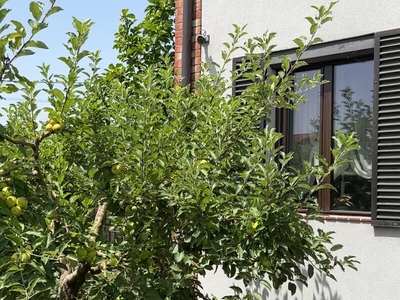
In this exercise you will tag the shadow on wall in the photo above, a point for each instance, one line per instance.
(318, 289)
(209, 60)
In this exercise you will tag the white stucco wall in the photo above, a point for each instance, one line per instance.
(378, 249)
(351, 18)
(377, 278)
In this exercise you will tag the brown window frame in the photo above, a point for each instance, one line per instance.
(326, 67)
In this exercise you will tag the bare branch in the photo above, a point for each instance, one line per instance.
(100, 218)
(18, 142)
(42, 137)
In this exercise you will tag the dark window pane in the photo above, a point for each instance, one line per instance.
(306, 124)
(353, 85)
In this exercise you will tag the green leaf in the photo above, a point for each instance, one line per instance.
(8, 283)
(33, 233)
(57, 93)
(9, 88)
(236, 289)
(32, 23)
(176, 268)
(77, 24)
(3, 13)
(37, 44)
(33, 283)
(17, 240)
(299, 64)
(54, 9)
(179, 256)
(2, 2)
(82, 54)
(36, 10)
(25, 52)
(299, 42)
(3, 28)
(327, 19)
(326, 186)
(39, 27)
(69, 103)
(316, 40)
(311, 20)
(19, 226)
(18, 288)
(175, 248)
(336, 247)
(314, 28)
(18, 25)
(87, 201)
(67, 61)
(40, 290)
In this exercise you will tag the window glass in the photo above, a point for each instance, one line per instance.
(352, 112)
(306, 124)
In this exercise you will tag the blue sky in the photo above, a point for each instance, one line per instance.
(105, 14)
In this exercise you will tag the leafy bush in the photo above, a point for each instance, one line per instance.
(181, 178)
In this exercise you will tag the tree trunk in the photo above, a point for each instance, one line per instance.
(71, 282)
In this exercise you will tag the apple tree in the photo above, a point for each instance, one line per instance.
(132, 187)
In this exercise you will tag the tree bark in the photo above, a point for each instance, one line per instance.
(71, 282)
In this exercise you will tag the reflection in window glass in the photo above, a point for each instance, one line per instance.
(353, 85)
(306, 124)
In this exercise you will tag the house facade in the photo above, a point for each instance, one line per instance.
(360, 56)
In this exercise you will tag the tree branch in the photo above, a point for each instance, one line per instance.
(18, 142)
(42, 137)
(35, 147)
(71, 283)
(99, 219)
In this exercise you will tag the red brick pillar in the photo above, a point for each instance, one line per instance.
(195, 47)
(178, 38)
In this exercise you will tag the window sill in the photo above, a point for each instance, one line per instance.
(343, 218)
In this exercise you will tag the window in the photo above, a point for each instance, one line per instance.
(345, 104)
(362, 96)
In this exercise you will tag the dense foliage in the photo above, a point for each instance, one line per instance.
(132, 192)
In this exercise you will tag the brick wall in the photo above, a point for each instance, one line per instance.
(196, 47)
(178, 37)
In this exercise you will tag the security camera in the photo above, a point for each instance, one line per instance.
(203, 38)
